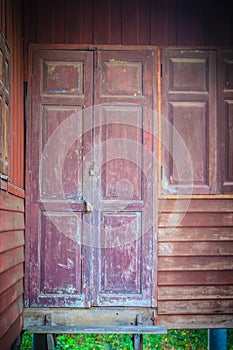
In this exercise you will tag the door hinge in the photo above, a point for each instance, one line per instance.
(161, 172)
(161, 70)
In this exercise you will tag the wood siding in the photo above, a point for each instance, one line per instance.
(195, 255)
(12, 192)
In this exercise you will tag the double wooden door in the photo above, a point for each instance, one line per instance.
(90, 205)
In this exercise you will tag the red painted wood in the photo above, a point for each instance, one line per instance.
(189, 112)
(62, 89)
(132, 22)
(58, 233)
(225, 124)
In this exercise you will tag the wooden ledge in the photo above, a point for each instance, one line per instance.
(97, 329)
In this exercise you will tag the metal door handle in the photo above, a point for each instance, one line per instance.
(88, 206)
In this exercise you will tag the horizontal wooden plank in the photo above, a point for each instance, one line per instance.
(194, 321)
(98, 329)
(10, 277)
(174, 278)
(10, 315)
(11, 294)
(196, 205)
(195, 219)
(12, 333)
(11, 258)
(195, 248)
(195, 234)
(11, 221)
(195, 292)
(195, 307)
(190, 263)
(10, 240)
(87, 317)
(11, 202)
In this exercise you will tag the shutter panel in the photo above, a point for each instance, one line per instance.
(188, 122)
(225, 119)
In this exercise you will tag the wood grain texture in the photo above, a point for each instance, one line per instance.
(133, 22)
(194, 321)
(196, 307)
(194, 292)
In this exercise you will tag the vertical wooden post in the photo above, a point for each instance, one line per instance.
(138, 338)
(217, 339)
(39, 341)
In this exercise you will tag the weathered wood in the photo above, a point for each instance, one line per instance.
(163, 23)
(196, 249)
(197, 263)
(9, 277)
(10, 295)
(196, 307)
(10, 240)
(11, 221)
(195, 292)
(87, 317)
(12, 333)
(11, 203)
(11, 258)
(201, 234)
(98, 329)
(194, 220)
(169, 278)
(10, 314)
(194, 321)
(196, 205)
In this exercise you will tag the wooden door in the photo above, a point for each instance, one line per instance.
(90, 211)
(123, 166)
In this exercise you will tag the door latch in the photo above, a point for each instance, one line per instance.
(88, 206)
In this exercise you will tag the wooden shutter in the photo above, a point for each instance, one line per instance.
(225, 120)
(188, 118)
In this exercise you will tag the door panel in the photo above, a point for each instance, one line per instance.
(60, 262)
(123, 164)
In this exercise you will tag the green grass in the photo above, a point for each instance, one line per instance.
(173, 340)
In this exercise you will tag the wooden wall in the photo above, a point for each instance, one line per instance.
(195, 285)
(12, 193)
(130, 22)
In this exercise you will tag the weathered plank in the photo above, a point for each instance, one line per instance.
(9, 316)
(196, 205)
(196, 307)
(11, 221)
(195, 248)
(97, 329)
(198, 263)
(86, 317)
(11, 294)
(169, 278)
(12, 333)
(195, 292)
(10, 240)
(194, 219)
(195, 234)
(194, 321)
(9, 277)
(11, 258)
(11, 203)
